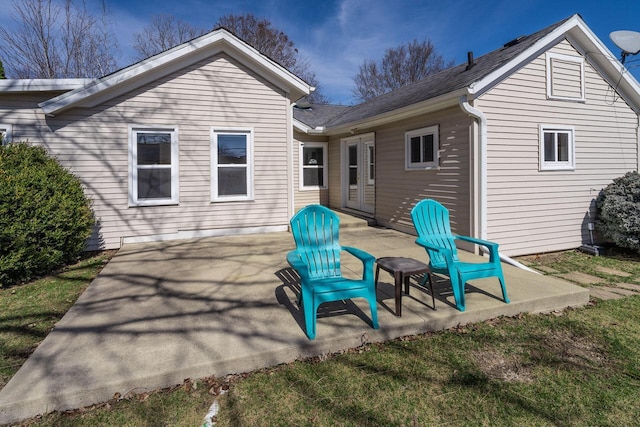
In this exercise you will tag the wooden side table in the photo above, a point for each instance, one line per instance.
(402, 268)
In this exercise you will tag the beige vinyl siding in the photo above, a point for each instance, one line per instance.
(215, 92)
(398, 190)
(529, 210)
(306, 197)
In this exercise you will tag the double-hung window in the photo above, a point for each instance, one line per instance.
(5, 134)
(231, 164)
(313, 165)
(557, 147)
(421, 148)
(153, 165)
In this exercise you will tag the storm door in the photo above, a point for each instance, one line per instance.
(358, 172)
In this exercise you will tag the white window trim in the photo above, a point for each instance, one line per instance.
(325, 160)
(558, 166)
(215, 131)
(8, 133)
(133, 165)
(371, 160)
(408, 165)
(567, 58)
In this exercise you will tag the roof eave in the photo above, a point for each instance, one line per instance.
(42, 85)
(574, 29)
(172, 60)
(433, 104)
(488, 81)
(301, 127)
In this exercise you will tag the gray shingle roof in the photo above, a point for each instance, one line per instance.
(317, 115)
(444, 82)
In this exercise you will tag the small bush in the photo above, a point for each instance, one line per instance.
(45, 218)
(618, 207)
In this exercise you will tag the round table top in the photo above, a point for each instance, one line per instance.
(402, 264)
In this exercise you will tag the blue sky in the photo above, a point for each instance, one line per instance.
(336, 36)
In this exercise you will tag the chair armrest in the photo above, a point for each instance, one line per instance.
(294, 260)
(425, 244)
(446, 253)
(492, 246)
(359, 253)
(366, 258)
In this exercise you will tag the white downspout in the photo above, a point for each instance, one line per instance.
(482, 164)
(290, 151)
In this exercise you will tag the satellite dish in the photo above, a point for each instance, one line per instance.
(627, 41)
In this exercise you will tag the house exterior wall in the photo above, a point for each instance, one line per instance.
(398, 190)
(304, 197)
(529, 210)
(94, 144)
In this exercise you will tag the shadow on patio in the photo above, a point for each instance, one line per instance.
(162, 312)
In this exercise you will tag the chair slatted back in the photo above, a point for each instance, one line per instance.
(315, 230)
(431, 221)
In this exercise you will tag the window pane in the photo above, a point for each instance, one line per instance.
(427, 143)
(353, 155)
(154, 148)
(232, 181)
(312, 156)
(232, 149)
(549, 147)
(372, 163)
(154, 183)
(313, 177)
(353, 176)
(415, 150)
(563, 147)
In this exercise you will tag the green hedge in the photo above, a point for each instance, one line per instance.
(45, 218)
(618, 207)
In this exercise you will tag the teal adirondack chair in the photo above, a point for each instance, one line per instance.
(431, 221)
(317, 260)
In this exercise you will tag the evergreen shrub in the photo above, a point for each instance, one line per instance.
(45, 217)
(618, 207)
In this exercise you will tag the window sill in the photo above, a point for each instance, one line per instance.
(153, 203)
(557, 169)
(312, 188)
(421, 168)
(233, 199)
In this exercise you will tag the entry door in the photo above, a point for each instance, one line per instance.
(358, 174)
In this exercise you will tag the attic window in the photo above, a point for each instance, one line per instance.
(565, 77)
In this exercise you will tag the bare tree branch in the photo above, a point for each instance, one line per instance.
(270, 41)
(48, 41)
(164, 32)
(399, 67)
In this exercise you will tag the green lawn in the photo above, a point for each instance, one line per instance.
(578, 367)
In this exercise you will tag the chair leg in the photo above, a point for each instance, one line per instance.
(504, 289)
(458, 291)
(374, 310)
(433, 296)
(310, 310)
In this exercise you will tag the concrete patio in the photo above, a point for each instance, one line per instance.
(162, 312)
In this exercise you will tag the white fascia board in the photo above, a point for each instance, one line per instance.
(434, 104)
(607, 64)
(575, 29)
(164, 63)
(42, 85)
(556, 35)
(301, 127)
